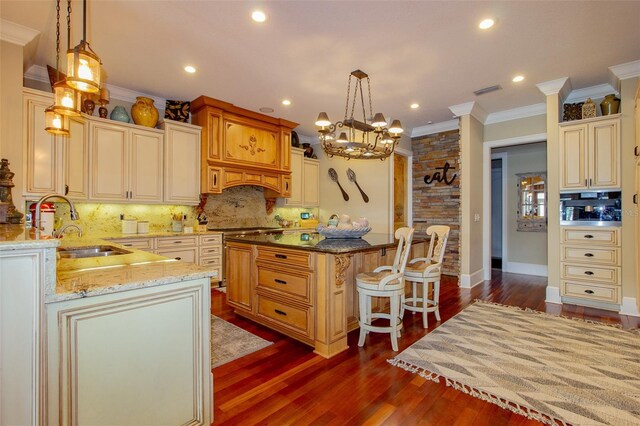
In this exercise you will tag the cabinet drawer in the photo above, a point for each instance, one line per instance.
(207, 240)
(593, 273)
(211, 251)
(284, 256)
(610, 294)
(600, 256)
(137, 243)
(293, 283)
(177, 242)
(608, 237)
(298, 320)
(211, 261)
(183, 254)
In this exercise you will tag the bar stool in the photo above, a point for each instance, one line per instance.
(427, 270)
(384, 281)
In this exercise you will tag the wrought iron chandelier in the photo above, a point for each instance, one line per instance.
(366, 139)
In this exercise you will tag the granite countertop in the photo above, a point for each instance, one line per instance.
(312, 241)
(16, 237)
(93, 276)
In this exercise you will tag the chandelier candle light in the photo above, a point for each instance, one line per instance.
(359, 139)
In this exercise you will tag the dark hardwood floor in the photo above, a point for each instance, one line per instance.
(286, 383)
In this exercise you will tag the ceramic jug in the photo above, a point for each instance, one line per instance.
(144, 112)
(610, 105)
(119, 114)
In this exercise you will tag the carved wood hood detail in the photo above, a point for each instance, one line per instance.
(242, 147)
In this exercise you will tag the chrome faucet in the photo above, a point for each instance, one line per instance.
(72, 208)
(60, 232)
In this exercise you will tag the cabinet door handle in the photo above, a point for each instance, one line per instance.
(215, 180)
(279, 312)
(66, 189)
(590, 182)
(280, 282)
(635, 150)
(588, 273)
(635, 198)
(178, 258)
(128, 245)
(588, 254)
(589, 291)
(588, 236)
(586, 182)
(281, 256)
(177, 242)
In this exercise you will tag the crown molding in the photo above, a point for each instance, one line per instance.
(593, 92)
(39, 73)
(469, 108)
(430, 129)
(627, 70)
(560, 86)
(16, 33)
(516, 113)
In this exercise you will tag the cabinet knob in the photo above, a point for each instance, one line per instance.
(588, 273)
(635, 150)
(281, 256)
(280, 281)
(66, 189)
(177, 258)
(588, 254)
(588, 236)
(589, 291)
(279, 312)
(635, 198)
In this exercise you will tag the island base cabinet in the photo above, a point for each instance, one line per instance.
(131, 358)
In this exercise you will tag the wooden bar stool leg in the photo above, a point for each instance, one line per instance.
(414, 295)
(436, 297)
(425, 293)
(363, 317)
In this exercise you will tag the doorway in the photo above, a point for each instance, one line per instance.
(496, 211)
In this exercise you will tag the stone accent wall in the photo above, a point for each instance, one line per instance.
(438, 203)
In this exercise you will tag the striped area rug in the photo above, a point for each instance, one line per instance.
(545, 367)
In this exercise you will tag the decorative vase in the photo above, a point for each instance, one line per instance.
(119, 114)
(610, 105)
(89, 106)
(144, 113)
(102, 111)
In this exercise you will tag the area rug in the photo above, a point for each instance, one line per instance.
(548, 368)
(230, 342)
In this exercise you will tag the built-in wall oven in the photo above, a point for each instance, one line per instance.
(591, 209)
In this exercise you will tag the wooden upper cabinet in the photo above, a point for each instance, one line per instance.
(590, 154)
(241, 147)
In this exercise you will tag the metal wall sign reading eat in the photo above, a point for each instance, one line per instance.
(441, 177)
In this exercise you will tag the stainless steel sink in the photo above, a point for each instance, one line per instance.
(93, 251)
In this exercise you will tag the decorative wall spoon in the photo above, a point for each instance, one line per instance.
(352, 177)
(334, 177)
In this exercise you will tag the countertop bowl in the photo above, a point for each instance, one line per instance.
(327, 232)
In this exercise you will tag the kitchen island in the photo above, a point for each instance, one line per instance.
(303, 285)
(122, 338)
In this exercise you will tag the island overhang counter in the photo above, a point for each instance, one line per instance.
(303, 285)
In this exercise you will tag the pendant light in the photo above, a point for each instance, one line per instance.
(83, 65)
(66, 101)
(55, 122)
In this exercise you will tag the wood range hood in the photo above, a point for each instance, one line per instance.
(242, 147)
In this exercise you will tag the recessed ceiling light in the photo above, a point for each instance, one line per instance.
(485, 24)
(190, 69)
(258, 16)
(414, 106)
(286, 102)
(518, 78)
(266, 110)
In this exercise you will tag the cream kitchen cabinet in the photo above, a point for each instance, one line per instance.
(53, 163)
(305, 180)
(181, 163)
(590, 154)
(126, 162)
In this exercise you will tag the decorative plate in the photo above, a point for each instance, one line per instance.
(342, 233)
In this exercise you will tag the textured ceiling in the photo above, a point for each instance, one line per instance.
(427, 52)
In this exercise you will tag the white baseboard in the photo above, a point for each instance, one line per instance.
(629, 307)
(471, 280)
(525, 268)
(553, 295)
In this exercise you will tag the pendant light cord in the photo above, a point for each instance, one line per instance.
(57, 41)
(68, 24)
(84, 21)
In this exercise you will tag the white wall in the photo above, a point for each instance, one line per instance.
(375, 178)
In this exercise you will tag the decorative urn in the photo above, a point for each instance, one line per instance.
(144, 113)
